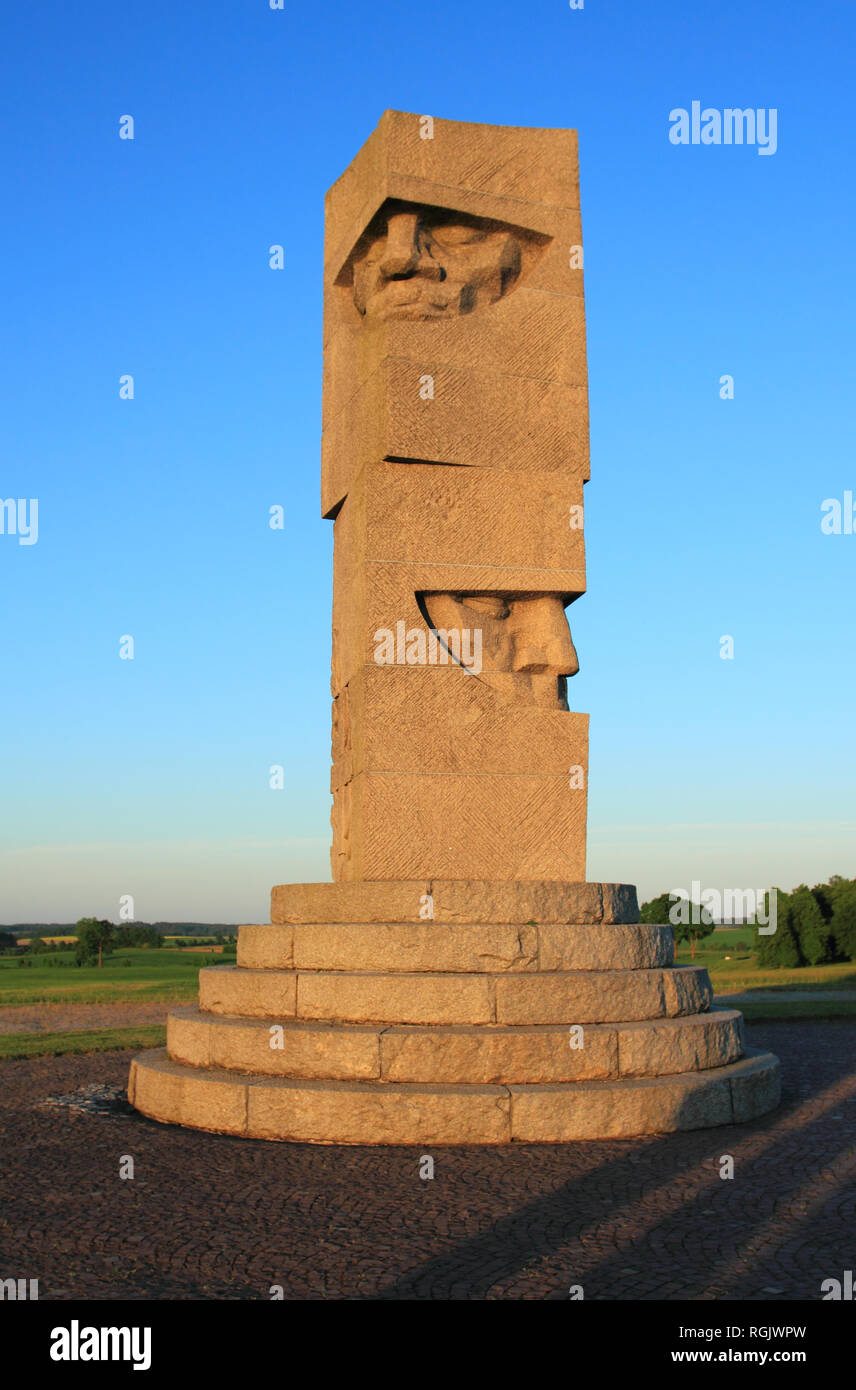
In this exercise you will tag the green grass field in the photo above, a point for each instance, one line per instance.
(167, 975)
(17, 1045)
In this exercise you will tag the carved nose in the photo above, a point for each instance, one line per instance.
(544, 645)
(402, 256)
(402, 250)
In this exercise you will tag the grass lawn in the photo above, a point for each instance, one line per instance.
(159, 974)
(86, 1040)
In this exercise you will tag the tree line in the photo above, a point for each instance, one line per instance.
(814, 926)
(96, 938)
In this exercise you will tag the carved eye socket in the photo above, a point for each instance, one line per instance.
(491, 605)
(456, 234)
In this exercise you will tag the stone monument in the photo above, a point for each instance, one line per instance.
(459, 981)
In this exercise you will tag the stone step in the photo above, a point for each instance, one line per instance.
(489, 1053)
(563, 997)
(454, 900)
(378, 1112)
(437, 947)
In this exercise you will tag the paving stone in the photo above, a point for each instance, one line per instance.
(209, 1216)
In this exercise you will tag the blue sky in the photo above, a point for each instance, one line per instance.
(150, 777)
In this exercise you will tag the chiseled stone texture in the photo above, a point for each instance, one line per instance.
(663, 1104)
(422, 946)
(463, 1053)
(262, 946)
(438, 271)
(188, 1036)
(388, 496)
(253, 993)
(396, 998)
(694, 1043)
(606, 946)
(544, 423)
(455, 900)
(322, 1112)
(304, 1049)
(456, 1053)
(405, 825)
(598, 996)
(176, 1094)
(756, 1086)
(567, 997)
(520, 179)
(599, 1110)
(687, 990)
(372, 1112)
(441, 946)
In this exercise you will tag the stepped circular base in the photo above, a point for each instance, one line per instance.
(379, 1112)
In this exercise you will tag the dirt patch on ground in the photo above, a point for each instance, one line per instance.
(67, 1018)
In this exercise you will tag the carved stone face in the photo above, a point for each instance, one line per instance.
(526, 645)
(426, 263)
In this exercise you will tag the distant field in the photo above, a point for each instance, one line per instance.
(164, 974)
(741, 973)
(69, 940)
(54, 940)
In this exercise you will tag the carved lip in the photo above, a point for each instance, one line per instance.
(391, 305)
(393, 309)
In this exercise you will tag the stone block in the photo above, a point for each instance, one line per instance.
(514, 827)
(423, 998)
(698, 1042)
(610, 947)
(463, 901)
(581, 996)
(250, 993)
(467, 1054)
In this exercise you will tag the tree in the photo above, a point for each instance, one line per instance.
(809, 926)
(138, 934)
(843, 922)
(688, 920)
(657, 910)
(767, 943)
(95, 939)
(787, 944)
(8, 942)
(780, 950)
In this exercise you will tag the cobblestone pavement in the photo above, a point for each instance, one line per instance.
(207, 1216)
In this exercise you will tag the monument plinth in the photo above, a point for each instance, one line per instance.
(459, 980)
